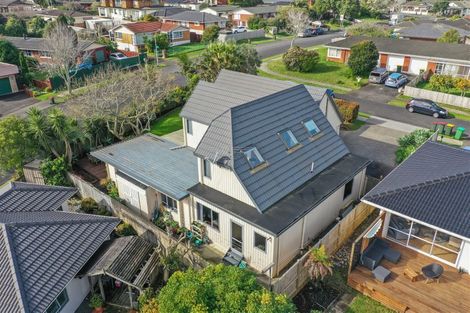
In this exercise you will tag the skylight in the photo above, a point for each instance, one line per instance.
(253, 157)
(288, 138)
(311, 127)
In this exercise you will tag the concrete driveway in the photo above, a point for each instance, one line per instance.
(13, 103)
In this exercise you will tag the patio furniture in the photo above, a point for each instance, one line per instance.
(411, 274)
(233, 257)
(376, 251)
(432, 272)
(381, 273)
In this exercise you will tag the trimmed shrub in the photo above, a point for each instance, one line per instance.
(349, 110)
(88, 205)
(124, 229)
(441, 82)
(363, 58)
(300, 60)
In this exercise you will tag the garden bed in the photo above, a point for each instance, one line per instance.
(452, 91)
(315, 297)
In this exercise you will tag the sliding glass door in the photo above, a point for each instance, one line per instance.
(237, 237)
(424, 239)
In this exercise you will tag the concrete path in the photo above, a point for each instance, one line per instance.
(176, 137)
(12, 103)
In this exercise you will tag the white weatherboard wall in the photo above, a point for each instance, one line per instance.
(77, 290)
(122, 45)
(464, 260)
(144, 200)
(221, 239)
(394, 61)
(417, 65)
(199, 129)
(225, 181)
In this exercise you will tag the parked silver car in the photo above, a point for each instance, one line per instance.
(378, 76)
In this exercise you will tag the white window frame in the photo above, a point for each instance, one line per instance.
(177, 35)
(255, 233)
(337, 53)
(308, 131)
(255, 151)
(56, 302)
(206, 168)
(189, 126)
(291, 136)
(200, 210)
(169, 203)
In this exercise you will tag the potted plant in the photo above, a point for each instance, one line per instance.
(97, 303)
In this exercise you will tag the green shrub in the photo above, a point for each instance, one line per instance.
(300, 60)
(113, 191)
(441, 82)
(210, 34)
(102, 211)
(409, 143)
(88, 205)
(96, 301)
(348, 110)
(124, 229)
(363, 58)
(54, 171)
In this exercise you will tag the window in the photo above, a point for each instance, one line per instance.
(348, 188)
(196, 24)
(45, 54)
(289, 139)
(189, 126)
(28, 53)
(334, 53)
(169, 202)
(253, 157)
(176, 35)
(118, 35)
(208, 216)
(207, 168)
(59, 302)
(311, 127)
(260, 242)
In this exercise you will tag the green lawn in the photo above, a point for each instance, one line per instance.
(325, 71)
(354, 125)
(362, 304)
(187, 48)
(168, 123)
(452, 91)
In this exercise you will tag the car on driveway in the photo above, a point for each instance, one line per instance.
(378, 76)
(428, 107)
(117, 56)
(396, 80)
(239, 29)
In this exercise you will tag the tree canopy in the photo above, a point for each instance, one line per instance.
(368, 30)
(210, 34)
(15, 27)
(245, 3)
(9, 53)
(450, 36)
(363, 58)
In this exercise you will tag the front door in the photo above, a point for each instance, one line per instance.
(237, 237)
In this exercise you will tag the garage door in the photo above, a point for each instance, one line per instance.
(417, 65)
(99, 54)
(5, 87)
(394, 61)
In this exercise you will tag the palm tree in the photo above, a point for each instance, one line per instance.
(40, 131)
(318, 263)
(65, 130)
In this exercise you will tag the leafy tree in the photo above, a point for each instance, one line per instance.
(450, 36)
(326, 7)
(228, 55)
(300, 60)
(36, 26)
(45, 3)
(16, 146)
(318, 263)
(9, 53)
(256, 22)
(148, 18)
(462, 84)
(54, 171)
(368, 30)
(161, 40)
(110, 44)
(408, 144)
(219, 289)
(297, 22)
(363, 58)
(349, 8)
(440, 7)
(24, 69)
(245, 3)
(210, 34)
(15, 27)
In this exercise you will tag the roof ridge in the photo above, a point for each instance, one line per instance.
(93, 219)
(421, 185)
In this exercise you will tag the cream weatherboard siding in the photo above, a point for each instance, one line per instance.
(394, 61)
(144, 200)
(127, 46)
(77, 290)
(331, 114)
(221, 238)
(225, 181)
(464, 260)
(198, 131)
(417, 65)
(289, 244)
(111, 172)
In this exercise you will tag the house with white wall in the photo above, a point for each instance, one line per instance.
(426, 204)
(43, 247)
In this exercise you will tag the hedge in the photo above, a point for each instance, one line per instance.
(349, 110)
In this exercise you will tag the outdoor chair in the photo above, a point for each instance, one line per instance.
(381, 273)
(376, 251)
(432, 271)
(232, 257)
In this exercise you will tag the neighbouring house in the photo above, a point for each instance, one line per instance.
(79, 18)
(416, 8)
(14, 6)
(131, 37)
(242, 15)
(8, 73)
(37, 48)
(461, 8)
(424, 217)
(193, 5)
(43, 247)
(225, 11)
(410, 56)
(430, 32)
(261, 186)
(132, 10)
(197, 22)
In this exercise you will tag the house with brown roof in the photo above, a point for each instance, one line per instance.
(8, 74)
(14, 6)
(131, 37)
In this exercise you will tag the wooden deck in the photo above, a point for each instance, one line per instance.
(451, 294)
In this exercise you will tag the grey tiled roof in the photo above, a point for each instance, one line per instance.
(260, 9)
(40, 44)
(209, 100)
(257, 124)
(223, 8)
(24, 197)
(195, 16)
(429, 31)
(445, 51)
(431, 186)
(41, 252)
(155, 162)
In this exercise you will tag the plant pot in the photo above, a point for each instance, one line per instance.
(98, 310)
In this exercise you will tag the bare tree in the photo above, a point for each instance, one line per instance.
(297, 22)
(64, 51)
(126, 101)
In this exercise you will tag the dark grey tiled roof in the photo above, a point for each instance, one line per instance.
(257, 124)
(260, 9)
(195, 16)
(223, 8)
(155, 162)
(445, 51)
(42, 250)
(431, 186)
(168, 11)
(294, 206)
(40, 44)
(430, 31)
(23, 197)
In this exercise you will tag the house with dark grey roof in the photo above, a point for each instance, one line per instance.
(196, 21)
(225, 11)
(43, 247)
(15, 6)
(243, 15)
(431, 32)
(425, 203)
(272, 170)
(410, 56)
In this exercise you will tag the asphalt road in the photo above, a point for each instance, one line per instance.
(277, 47)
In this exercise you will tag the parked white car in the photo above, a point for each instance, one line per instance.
(239, 29)
(117, 56)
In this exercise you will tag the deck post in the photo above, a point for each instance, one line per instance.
(100, 284)
(130, 296)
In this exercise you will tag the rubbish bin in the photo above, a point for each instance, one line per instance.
(439, 126)
(448, 129)
(459, 133)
